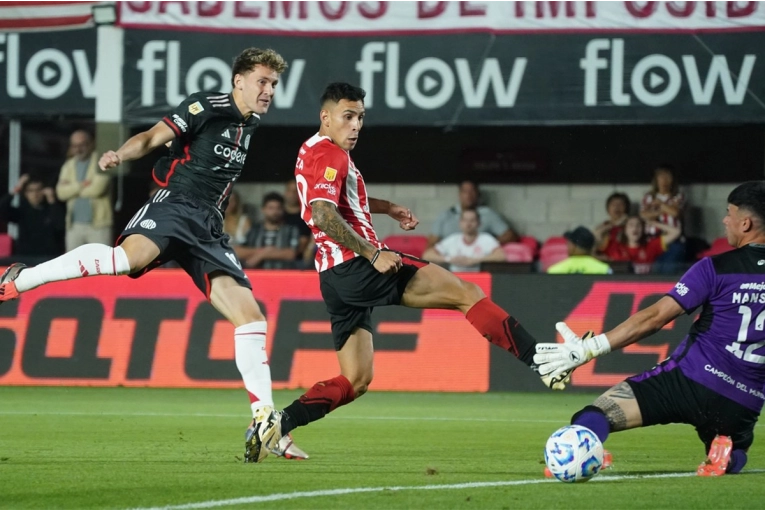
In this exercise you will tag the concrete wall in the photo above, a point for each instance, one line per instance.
(537, 210)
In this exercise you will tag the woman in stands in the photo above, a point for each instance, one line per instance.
(634, 245)
(664, 205)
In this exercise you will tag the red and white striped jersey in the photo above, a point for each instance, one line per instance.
(324, 171)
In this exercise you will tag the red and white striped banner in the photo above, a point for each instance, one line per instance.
(24, 16)
(399, 18)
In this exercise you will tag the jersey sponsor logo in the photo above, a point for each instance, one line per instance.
(234, 260)
(196, 108)
(330, 174)
(226, 134)
(230, 154)
(330, 188)
(148, 224)
(180, 123)
(753, 286)
(681, 289)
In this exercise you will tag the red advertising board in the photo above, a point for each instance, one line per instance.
(159, 331)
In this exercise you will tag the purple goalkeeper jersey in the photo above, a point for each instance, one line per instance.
(725, 347)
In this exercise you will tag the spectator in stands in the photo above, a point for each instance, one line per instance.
(448, 222)
(271, 244)
(40, 220)
(464, 251)
(580, 243)
(85, 189)
(637, 247)
(307, 246)
(236, 222)
(618, 209)
(664, 205)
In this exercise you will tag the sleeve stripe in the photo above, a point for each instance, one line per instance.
(172, 126)
(323, 200)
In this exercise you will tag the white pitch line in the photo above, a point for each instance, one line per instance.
(334, 417)
(342, 492)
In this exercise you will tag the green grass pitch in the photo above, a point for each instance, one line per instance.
(136, 448)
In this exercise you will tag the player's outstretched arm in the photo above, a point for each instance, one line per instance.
(327, 219)
(555, 359)
(138, 146)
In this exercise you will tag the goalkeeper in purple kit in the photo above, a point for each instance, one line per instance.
(715, 378)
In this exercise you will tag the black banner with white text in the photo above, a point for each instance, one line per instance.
(471, 79)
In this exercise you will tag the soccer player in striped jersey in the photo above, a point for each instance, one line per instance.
(358, 272)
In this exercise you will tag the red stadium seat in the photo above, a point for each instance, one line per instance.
(553, 250)
(532, 243)
(6, 245)
(518, 252)
(719, 245)
(411, 245)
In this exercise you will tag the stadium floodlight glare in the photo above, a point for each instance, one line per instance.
(104, 14)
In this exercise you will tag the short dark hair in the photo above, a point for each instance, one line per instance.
(34, 179)
(471, 181)
(619, 196)
(471, 209)
(273, 197)
(750, 196)
(339, 90)
(246, 61)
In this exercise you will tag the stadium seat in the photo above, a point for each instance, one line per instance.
(517, 252)
(553, 250)
(719, 245)
(6, 245)
(411, 245)
(532, 243)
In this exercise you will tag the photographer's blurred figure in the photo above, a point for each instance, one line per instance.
(86, 192)
(40, 220)
(580, 242)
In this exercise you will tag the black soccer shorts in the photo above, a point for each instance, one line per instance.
(189, 233)
(352, 289)
(665, 395)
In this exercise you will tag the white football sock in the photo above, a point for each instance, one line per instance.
(86, 260)
(252, 362)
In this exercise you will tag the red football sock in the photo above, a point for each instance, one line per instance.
(499, 328)
(322, 398)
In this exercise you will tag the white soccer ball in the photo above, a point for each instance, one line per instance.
(574, 454)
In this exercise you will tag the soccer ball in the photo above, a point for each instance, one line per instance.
(574, 454)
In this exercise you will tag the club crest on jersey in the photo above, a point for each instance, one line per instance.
(196, 108)
(330, 174)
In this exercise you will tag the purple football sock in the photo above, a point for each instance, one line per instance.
(594, 419)
(737, 462)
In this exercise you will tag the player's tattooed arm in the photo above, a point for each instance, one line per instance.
(328, 220)
(613, 402)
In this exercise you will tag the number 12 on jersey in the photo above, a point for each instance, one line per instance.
(743, 333)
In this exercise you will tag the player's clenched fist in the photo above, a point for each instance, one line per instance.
(110, 159)
(386, 262)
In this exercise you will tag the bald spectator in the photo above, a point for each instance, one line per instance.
(448, 222)
(86, 192)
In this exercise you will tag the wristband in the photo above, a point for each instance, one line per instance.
(597, 346)
(374, 259)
